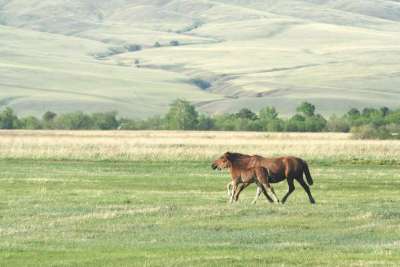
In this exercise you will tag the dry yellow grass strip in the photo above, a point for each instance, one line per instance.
(174, 145)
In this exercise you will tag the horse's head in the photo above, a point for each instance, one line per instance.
(222, 162)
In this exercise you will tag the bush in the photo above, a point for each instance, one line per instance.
(336, 124)
(129, 124)
(74, 121)
(202, 84)
(133, 47)
(246, 113)
(224, 122)
(174, 43)
(8, 119)
(182, 116)
(205, 123)
(31, 123)
(372, 132)
(296, 124)
(105, 121)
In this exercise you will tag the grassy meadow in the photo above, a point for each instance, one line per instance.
(151, 199)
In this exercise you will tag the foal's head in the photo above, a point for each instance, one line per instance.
(222, 162)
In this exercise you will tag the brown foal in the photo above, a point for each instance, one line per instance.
(243, 173)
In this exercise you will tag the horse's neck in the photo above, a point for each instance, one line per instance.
(240, 163)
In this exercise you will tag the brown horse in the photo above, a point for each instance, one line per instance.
(284, 168)
(244, 172)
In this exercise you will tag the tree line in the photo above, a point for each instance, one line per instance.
(383, 123)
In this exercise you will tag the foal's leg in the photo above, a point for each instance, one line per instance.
(234, 188)
(229, 189)
(242, 186)
(258, 193)
(307, 189)
(291, 189)
(262, 178)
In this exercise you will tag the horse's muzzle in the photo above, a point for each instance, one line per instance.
(213, 166)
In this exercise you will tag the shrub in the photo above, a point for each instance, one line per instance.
(246, 113)
(336, 124)
(133, 47)
(205, 123)
(174, 43)
(371, 132)
(202, 84)
(8, 119)
(74, 121)
(182, 116)
(31, 123)
(105, 121)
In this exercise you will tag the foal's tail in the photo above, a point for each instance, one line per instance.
(307, 173)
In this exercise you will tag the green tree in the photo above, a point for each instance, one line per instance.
(31, 123)
(307, 121)
(315, 123)
(182, 116)
(337, 124)
(153, 123)
(306, 109)
(385, 111)
(8, 119)
(205, 122)
(393, 117)
(246, 113)
(105, 121)
(74, 121)
(270, 121)
(224, 122)
(48, 120)
(353, 113)
(296, 124)
(268, 113)
(49, 116)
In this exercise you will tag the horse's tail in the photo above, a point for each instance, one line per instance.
(307, 173)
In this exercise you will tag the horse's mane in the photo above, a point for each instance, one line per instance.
(238, 159)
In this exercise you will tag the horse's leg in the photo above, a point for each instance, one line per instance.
(262, 178)
(260, 186)
(229, 189)
(307, 189)
(234, 188)
(269, 189)
(291, 189)
(258, 193)
(242, 186)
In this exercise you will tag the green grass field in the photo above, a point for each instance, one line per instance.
(159, 213)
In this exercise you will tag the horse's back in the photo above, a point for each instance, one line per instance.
(294, 166)
(283, 167)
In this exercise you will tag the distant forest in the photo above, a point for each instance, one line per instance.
(380, 123)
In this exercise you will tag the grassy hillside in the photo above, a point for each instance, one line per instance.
(64, 55)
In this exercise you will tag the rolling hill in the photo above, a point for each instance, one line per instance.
(221, 55)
